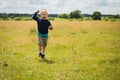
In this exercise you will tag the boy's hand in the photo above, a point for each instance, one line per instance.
(50, 28)
(38, 11)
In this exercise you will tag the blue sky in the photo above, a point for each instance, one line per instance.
(60, 6)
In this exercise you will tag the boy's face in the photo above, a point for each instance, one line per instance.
(44, 14)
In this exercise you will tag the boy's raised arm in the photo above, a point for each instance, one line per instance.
(35, 15)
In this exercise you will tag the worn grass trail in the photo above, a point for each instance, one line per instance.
(77, 50)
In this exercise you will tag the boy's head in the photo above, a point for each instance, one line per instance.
(44, 14)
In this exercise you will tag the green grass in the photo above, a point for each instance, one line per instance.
(77, 50)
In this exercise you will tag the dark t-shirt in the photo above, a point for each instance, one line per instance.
(43, 25)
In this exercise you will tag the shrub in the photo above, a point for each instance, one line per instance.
(63, 15)
(33, 30)
(17, 18)
(51, 18)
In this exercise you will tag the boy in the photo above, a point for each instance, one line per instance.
(43, 26)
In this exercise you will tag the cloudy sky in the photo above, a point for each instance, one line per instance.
(60, 6)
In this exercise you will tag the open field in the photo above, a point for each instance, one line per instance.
(77, 50)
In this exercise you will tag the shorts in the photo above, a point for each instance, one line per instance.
(42, 41)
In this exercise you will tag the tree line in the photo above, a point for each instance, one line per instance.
(73, 14)
(5, 16)
(95, 16)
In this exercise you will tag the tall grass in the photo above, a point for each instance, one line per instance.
(77, 50)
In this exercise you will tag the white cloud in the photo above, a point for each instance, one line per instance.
(60, 6)
(114, 2)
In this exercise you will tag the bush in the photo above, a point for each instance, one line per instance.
(63, 15)
(70, 19)
(113, 20)
(88, 18)
(12, 17)
(17, 18)
(51, 18)
(33, 30)
(75, 14)
(96, 15)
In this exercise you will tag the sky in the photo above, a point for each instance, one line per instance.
(60, 6)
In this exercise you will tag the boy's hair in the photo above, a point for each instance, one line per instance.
(43, 10)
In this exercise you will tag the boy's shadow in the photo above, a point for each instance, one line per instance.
(46, 61)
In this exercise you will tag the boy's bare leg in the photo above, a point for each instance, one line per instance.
(41, 50)
(44, 49)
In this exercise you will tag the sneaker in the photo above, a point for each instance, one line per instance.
(41, 55)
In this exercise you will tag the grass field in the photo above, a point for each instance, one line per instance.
(77, 50)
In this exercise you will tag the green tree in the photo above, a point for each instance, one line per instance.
(117, 16)
(96, 15)
(63, 15)
(4, 16)
(75, 14)
(12, 17)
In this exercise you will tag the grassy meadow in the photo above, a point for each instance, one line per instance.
(77, 50)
